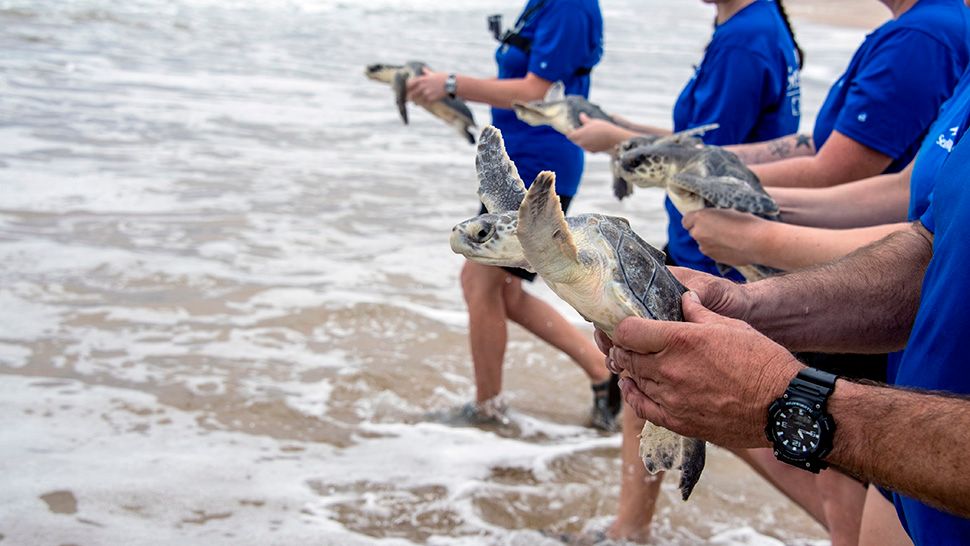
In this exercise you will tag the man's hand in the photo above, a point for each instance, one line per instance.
(598, 135)
(427, 88)
(718, 294)
(709, 377)
(727, 236)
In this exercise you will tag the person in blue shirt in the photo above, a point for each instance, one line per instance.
(748, 83)
(908, 289)
(552, 41)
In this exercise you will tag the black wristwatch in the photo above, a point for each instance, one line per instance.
(451, 85)
(799, 427)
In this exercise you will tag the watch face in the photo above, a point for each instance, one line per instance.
(796, 431)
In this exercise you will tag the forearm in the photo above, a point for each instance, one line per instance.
(790, 247)
(865, 302)
(501, 93)
(913, 443)
(641, 129)
(773, 150)
(872, 201)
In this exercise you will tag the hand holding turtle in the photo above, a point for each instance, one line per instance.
(709, 377)
(427, 88)
(728, 236)
(598, 135)
(720, 295)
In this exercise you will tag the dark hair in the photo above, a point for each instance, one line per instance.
(784, 17)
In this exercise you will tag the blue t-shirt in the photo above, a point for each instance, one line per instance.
(944, 134)
(937, 356)
(898, 78)
(567, 37)
(748, 84)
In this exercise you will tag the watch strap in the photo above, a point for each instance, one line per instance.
(813, 384)
(451, 85)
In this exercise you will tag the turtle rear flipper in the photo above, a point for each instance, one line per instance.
(400, 85)
(663, 450)
(692, 464)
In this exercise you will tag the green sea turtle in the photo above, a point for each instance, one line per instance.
(454, 112)
(623, 187)
(594, 262)
(558, 110)
(698, 176)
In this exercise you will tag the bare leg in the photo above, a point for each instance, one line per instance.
(638, 489)
(544, 321)
(487, 332)
(880, 523)
(832, 498)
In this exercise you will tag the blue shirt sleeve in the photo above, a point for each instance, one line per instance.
(927, 218)
(560, 45)
(730, 91)
(887, 108)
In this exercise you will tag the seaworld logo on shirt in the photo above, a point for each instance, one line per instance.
(947, 143)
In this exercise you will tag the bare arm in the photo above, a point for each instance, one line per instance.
(840, 160)
(641, 128)
(737, 238)
(863, 303)
(877, 200)
(774, 150)
(913, 443)
(492, 91)
(598, 135)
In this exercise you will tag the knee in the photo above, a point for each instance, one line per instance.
(479, 285)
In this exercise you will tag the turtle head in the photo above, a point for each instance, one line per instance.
(382, 72)
(547, 111)
(644, 167)
(490, 239)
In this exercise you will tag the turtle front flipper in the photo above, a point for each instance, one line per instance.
(543, 232)
(663, 450)
(727, 192)
(400, 85)
(499, 186)
(693, 457)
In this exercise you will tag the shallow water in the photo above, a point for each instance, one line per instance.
(227, 298)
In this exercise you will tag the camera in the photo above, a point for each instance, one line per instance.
(495, 25)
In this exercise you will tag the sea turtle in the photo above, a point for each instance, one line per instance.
(454, 112)
(558, 110)
(696, 177)
(623, 187)
(596, 263)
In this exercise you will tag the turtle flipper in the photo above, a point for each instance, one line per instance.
(692, 464)
(755, 272)
(727, 192)
(545, 236)
(469, 136)
(663, 450)
(400, 85)
(499, 186)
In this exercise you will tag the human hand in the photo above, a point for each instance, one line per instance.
(597, 135)
(709, 377)
(727, 236)
(724, 297)
(427, 88)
